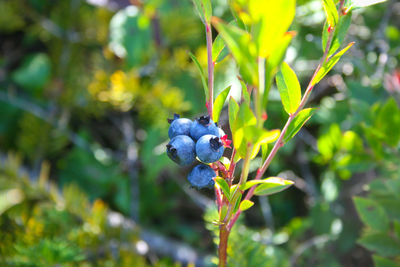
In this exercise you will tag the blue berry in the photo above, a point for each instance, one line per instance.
(179, 126)
(202, 176)
(209, 148)
(181, 149)
(202, 126)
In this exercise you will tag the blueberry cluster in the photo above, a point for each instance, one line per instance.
(201, 138)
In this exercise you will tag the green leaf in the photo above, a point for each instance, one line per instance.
(202, 75)
(371, 213)
(245, 93)
(246, 204)
(240, 130)
(271, 21)
(289, 88)
(329, 65)
(219, 50)
(259, 137)
(339, 34)
(219, 103)
(331, 13)
(272, 64)
(237, 200)
(387, 121)
(250, 184)
(382, 262)
(302, 117)
(34, 73)
(223, 185)
(233, 109)
(272, 185)
(204, 9)
(363, 3)
(242, 48)
(381, 243)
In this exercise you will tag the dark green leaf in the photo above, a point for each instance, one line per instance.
(381, 243)
(302, 117)
(371, 213)
(382, 262)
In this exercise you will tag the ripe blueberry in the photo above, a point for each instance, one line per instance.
(179, 126)
(181, 149)
(202, 126)
(209, 148)
(202, 176)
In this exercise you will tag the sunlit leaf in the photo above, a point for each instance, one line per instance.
(331, 12)
(272, 185)
(339, 34)
(329, 65)
(289, 88)
(233, 109)
(219, 103)
(302, 117)
(219, 50)
(243, 50)
(246, 204)
(204, 9)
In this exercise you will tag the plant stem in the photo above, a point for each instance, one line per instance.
(223, 245)
(210, 71)
(279, 143)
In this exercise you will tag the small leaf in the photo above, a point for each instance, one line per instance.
(329, 64)
(246, 204)
(219, 103)
(331, 13)
(223, 185)
(289, 88)
(339, 34)
(381, 243)
(204, 9)
(302, 117)
(237, 202)
(233, 109)
(371, 213)
(202, 75)
(219, 50)
(245, 93)
(272, 185)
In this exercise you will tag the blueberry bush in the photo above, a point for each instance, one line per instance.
(87, 155)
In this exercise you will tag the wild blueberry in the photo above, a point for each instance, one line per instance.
(202, 126)
(179, 126)
(202, 176)
(209, 148)
(181, 149)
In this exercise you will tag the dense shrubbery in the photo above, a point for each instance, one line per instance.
(85, 94)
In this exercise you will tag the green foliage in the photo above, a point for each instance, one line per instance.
(289, 88)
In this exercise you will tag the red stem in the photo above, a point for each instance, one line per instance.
(210, 64)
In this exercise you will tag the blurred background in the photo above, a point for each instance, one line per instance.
(86, 88)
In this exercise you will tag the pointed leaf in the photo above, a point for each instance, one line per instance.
(289, 88)
(223, 185)
(219, 49)
(233, 109)
(242, 49)
(204, 9)
(272, 185)
(219, 103)
(382, 262)
(339, 34)
(381, 243)
(331, 13)
(329, 65)
(246, 204)
(371, 213)
(202, 75)
(302, 117)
